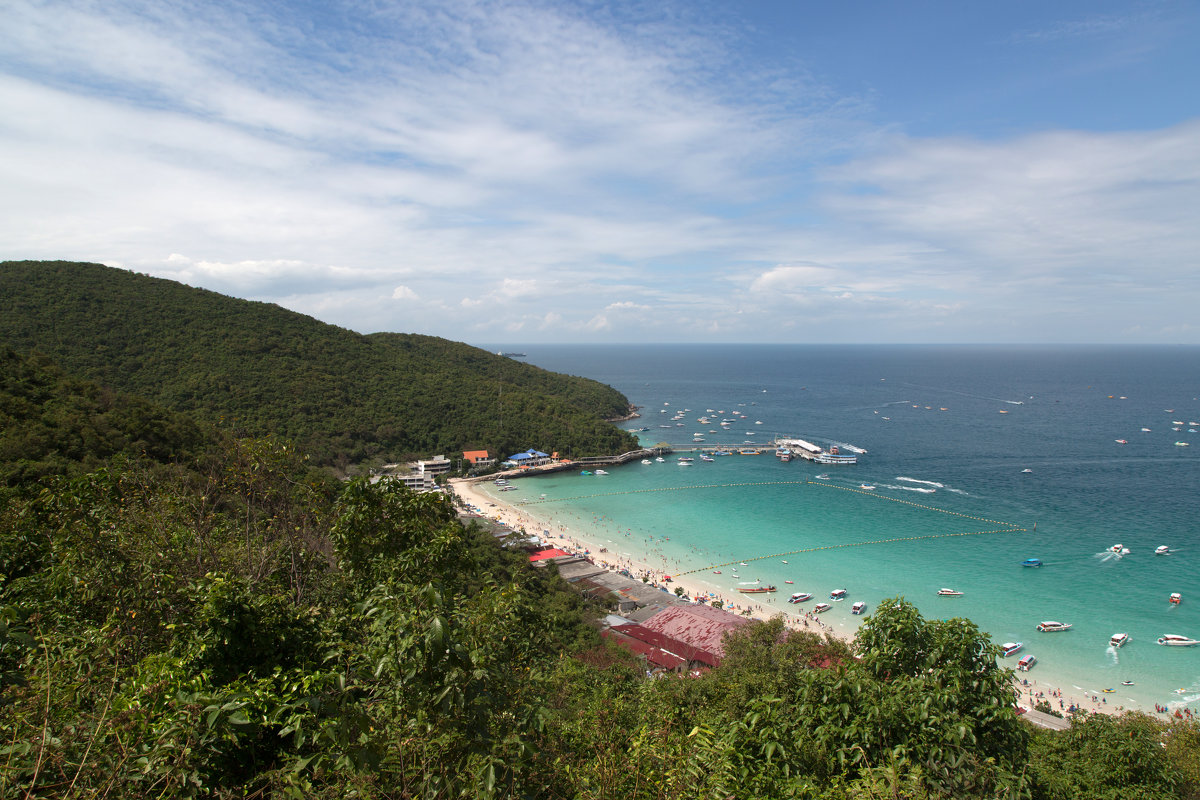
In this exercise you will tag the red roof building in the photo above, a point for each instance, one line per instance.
(702, 627)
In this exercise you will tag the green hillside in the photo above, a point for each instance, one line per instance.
(261, 369)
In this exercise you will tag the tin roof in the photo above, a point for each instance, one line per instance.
(700, 626)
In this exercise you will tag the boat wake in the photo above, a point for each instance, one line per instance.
(934, 484)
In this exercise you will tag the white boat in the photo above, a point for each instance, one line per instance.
(837, 594)
(821, 608)
(1053, 627)
(1026, 663)
(1119, 549)
(1182, 444)
(647, 461)
(1119, 639)
(659, 459)
(858, 607)
(800, 597)
(1175, 599)
(866, 487)
(1162, 550)
(1175, 640)
(1010, 648)
(601, 472)
(949, 593)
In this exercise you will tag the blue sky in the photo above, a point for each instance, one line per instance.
(623, 172)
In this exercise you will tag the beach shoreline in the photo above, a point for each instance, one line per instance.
(577, 539)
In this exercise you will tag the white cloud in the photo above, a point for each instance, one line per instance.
(404, 293)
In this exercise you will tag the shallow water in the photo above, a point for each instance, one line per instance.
(952, 505)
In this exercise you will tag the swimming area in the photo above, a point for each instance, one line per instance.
(980, 457)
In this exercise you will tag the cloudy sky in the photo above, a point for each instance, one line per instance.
(790, 171)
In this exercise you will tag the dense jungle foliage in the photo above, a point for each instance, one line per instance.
(264, 370)
(186, 613)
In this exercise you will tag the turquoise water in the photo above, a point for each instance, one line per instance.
(952, 505)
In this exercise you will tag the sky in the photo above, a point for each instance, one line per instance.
(752, 171)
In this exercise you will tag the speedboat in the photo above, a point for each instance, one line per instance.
(1119, 549)
(1031, 562)
(659, 460)
(1127, 683)
(647, 461)
(1119, 639)
(858, 607)
(707, 457)
(1122, 441)
(821, 608)
(1175, 599)
(1053, 627)
(866, 487)
(837, 594)
(1009, 648)
(949, 593)
(1162, 550)
(601, 472)
(1175, 640)
(800, 597)
(1026, 663)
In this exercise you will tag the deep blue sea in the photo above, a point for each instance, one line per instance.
(981, 457)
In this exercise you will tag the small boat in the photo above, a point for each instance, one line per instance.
(1119, 549)
(949, 593)
(707, 457)
(716, 572)
(601, 472)
(1175, 640)
(1162, 550)
(659, 459)
(1122, 441)
(837, 594)
(1026, 470)
(1109, 691)
(1026, 663)
(742, 564)
(1182, 444)
(1119, 639)
(586, 472)
(866, 487)
(647, 461)
(1127, 683)
(756, 589)
(785, 562)
(821, 608)
(1010, 648)
(1031, 562)
(789, 581)
(800, 597)
(1175, 599)
(822, 477)
(858, 607)
(1053, 627)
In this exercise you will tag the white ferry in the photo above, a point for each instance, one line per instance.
(1010, 648)
(800, 597)
(949, 593)
(837, 594)
(858, 607)
(1053, 627)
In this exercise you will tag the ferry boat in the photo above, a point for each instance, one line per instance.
(1031, 562)
(1162, 550)
(1053, 627)
(1010, 648)
(756, 589)
(1026, 663)
(949, 593)
(1175, 640)
(837, 594)
(1119, 639)
(800, 597)
(858, 607)
(821, 608)
(1175, 599)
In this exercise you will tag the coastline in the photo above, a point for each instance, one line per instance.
(578, 539)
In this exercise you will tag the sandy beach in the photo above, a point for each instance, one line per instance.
(556, 534)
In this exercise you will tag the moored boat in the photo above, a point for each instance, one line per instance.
(1119, 639)
(756, 589)
(858, 607)
(949, 593)
(837, 594)
(821, 608)
(1026, 663)
(1175, 640)
(1050, 626)
(800, 597)
(1009, 648)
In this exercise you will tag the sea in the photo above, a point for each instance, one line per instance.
(971, 459)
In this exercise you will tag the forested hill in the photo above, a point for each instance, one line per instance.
(259, 368)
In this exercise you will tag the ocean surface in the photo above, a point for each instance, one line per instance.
(980, 457)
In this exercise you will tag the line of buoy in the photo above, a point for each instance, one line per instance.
(739, 562)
